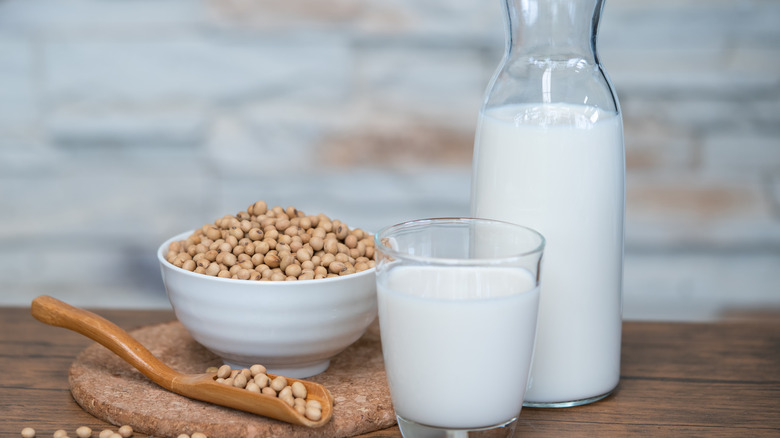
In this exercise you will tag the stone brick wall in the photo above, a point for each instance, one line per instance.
(124, 122)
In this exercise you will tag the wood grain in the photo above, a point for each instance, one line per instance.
(713, 380)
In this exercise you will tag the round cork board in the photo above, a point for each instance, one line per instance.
(110, 389)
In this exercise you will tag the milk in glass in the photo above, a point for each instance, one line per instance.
(448, 365)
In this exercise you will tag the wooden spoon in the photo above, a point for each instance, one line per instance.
(197, 386)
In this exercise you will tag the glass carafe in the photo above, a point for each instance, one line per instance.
(549, 155)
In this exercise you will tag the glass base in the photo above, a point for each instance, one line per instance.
(566, 404)
(411, 429)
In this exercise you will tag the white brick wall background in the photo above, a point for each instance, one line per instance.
(124, 122)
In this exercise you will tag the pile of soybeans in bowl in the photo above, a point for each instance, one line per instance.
(273, 286)
(274, 244)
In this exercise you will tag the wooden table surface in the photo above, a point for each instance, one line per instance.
(678, 379)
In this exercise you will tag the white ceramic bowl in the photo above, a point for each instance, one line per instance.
(293, 328)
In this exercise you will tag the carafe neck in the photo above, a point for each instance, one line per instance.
(552, 29)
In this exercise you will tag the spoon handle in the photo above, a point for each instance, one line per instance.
(54, 312)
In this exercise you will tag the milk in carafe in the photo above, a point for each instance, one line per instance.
(559, 168)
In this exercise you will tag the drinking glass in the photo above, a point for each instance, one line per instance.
(458, 300)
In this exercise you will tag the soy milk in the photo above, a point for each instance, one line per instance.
(438, 329)
(560, 169)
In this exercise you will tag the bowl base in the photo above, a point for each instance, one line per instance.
(295, 371)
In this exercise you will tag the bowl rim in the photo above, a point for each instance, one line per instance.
(183, 236)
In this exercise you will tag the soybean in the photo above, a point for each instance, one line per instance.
(299, 390)
(125, 431)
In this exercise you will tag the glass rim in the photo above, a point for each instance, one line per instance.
(382, 233)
